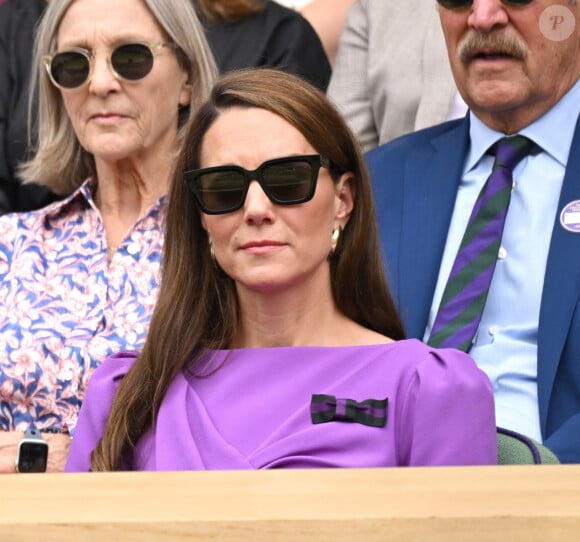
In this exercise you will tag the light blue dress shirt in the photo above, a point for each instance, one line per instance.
(505, 346)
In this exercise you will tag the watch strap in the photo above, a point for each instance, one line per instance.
(33, 434)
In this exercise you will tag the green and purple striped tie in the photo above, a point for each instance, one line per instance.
(465, 294)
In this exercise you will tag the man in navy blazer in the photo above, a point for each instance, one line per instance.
(517, 66)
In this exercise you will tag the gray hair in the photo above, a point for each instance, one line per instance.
(59, 161)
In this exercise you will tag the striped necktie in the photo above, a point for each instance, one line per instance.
(466, 291)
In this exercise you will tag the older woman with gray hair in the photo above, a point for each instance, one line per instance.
(116, 83)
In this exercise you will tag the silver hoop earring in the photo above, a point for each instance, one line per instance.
(335, 239)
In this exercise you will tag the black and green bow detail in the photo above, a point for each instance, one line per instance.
(327, 408)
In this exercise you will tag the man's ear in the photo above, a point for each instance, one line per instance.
(344, 195)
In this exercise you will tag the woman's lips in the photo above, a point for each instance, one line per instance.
(262, 247)
(107, 118)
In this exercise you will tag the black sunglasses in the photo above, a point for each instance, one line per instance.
(286, 181)
(460, 4)
(128, 62)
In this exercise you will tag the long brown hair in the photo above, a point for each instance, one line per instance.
(197, 308)
(227, 10)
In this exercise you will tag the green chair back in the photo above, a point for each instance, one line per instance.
(517, 449)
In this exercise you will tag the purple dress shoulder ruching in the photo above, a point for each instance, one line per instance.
(398, 404)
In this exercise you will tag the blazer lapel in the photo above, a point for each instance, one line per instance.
(431, 178)
(561, 291)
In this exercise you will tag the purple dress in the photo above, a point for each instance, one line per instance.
(398, 404)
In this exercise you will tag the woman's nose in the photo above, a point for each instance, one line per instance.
(257, 206)
(102, 80)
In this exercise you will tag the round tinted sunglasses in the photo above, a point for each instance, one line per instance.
(128, 62)
(460, 4)
(286, 181)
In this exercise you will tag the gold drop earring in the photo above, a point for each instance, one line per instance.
(335, 239)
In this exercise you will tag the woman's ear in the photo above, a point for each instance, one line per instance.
(186, 91)
(185, 94)
(344, 196)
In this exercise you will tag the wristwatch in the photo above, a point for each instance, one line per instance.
(32, 452)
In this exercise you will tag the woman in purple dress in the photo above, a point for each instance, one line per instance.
(275, 342)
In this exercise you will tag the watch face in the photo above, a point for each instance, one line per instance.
(32, 457)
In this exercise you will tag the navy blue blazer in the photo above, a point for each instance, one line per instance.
(415, 180)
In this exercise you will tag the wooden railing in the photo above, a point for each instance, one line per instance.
(506, 503)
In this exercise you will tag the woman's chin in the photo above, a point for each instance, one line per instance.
(112, 149)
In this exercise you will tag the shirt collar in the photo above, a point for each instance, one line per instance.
(553, 131)
(84, 194)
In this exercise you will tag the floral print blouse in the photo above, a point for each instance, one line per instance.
(64, 308)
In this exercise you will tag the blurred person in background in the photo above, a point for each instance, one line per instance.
(328, 18)
(392, 74)
(262, 33)
(18, 20)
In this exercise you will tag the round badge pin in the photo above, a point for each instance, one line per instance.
(570, 217)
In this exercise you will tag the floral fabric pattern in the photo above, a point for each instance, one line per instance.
(64, 308)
